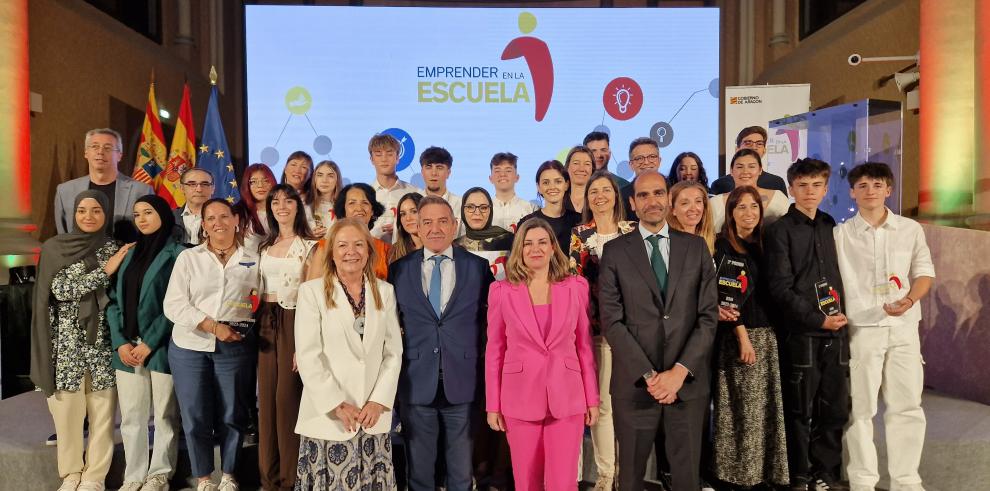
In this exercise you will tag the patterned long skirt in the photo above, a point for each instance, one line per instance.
(362, 463)
(750, 445)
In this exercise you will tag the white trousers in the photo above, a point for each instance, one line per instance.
(141, 393)
(885, 360)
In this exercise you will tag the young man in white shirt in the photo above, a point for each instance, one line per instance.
(509, 208)
(435, 164)
(886, 269)
(383, 151)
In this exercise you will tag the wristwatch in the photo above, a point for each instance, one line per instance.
(648, 375)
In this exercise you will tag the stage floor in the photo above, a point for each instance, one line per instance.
(957, 448)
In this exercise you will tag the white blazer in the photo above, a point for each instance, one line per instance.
(336, 365)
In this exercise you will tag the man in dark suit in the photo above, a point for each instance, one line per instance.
(658, 304)
(442, 296)
(102, 152)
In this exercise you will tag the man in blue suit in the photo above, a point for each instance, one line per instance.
(442, 295)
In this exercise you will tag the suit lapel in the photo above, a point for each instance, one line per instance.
(636, 250)
(153, 269)
(122, 191)
(675, 264)
(559, 315)
(523, 305)
(460, 271)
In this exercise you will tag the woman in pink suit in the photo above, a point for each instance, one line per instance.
(540, 379)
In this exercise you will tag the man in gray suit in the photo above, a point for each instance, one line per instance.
(658, 301)
(102, 152)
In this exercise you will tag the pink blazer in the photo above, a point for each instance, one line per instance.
(528, 378)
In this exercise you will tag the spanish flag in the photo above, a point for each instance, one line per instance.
(182, 155)
(151, 150)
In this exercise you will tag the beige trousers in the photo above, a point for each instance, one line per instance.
(69, 410)
(603, 433)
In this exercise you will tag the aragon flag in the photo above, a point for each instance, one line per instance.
(151, 151)
(181, 156)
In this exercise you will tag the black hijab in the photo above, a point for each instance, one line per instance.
(56, 254)
(493, 238)
(145, 252)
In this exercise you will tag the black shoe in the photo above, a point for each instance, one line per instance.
(52, 440)
(826, 484)
(666, 481)
(798, 487)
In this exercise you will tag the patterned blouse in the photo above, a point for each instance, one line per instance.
(585, 254)
(71, 354)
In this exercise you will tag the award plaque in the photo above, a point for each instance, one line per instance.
(733, 283)
(828, 298)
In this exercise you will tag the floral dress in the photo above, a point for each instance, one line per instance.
(72, 356)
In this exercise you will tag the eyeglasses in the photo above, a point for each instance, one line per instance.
(96, 147)
(643, 158)
(754, 143)
(194, 184)
(472, 209)
(259, 182)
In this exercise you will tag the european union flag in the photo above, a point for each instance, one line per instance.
(214, 155)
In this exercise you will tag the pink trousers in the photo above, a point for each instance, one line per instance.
(545, 453)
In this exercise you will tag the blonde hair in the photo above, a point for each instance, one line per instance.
(330, 268)
(516, 270)
(706, 228)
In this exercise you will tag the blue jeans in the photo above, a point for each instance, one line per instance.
(421, 430)
(215, 391)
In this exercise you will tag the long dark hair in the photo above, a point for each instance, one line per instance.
(557, 166)
(299, 224)
(672, 177)
(404, 243)
(729, 227)
(377, 209)
(299, 154)
(248, 205)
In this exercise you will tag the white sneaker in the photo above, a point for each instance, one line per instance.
(132, 486)
(157, 482)
(206, 485)
(69, 485)
(91, 486)
(227, 483)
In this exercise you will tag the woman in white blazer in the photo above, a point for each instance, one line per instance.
(349, 352)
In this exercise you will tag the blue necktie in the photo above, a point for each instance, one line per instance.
(436, 282)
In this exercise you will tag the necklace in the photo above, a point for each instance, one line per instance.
(222, 253)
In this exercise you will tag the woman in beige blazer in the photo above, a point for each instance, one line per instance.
(349, 352)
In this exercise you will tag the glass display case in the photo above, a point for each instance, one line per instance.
(845, 136)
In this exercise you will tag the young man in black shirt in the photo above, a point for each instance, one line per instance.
(804, 280)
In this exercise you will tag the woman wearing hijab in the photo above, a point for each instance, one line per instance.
(140, 333)
(476, 213)
(70, 344)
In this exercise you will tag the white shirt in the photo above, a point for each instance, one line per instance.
(192, 222)
(772, 210)
(664, 242)
(447, 276)
(508, 214)
(202, 287)
(873, 261)
(389, 198)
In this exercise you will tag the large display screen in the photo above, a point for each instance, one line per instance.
(478, 81)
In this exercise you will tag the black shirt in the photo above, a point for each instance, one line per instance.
(111, 191)
(751, 312)
(799, 252)
(561, 225)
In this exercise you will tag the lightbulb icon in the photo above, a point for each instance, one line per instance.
(622, 98)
